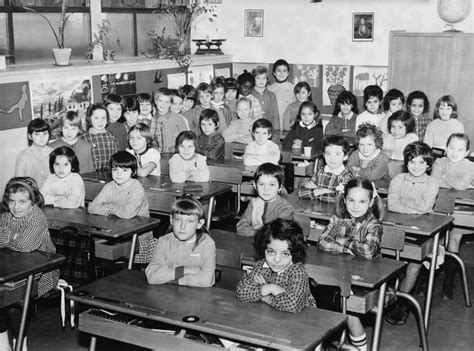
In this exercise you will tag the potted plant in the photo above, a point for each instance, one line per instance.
(61, 54)
(104, 38)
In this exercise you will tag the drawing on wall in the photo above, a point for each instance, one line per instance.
(176, 80)
(363, 26)
(200, 74)
(239, 68)
(307, 73)
(123, 84)
(15, 106)
(364, 76)
(253, 23)
(335, 80)
(52, 98)
(222, 72)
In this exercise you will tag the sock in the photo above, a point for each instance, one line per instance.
(359, 341)
(449, 270)
(23, 347)
(4, 342)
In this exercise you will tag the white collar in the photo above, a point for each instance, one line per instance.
(338, 171)
(265, 265)
(309, 126)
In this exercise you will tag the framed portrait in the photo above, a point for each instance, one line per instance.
(253, 23)
(363, 26)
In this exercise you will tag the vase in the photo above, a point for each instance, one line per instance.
(334, 91)
(182, 46)
(62, 57)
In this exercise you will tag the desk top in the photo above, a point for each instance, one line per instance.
(16, 265)
(255, 323)
(97, 225)
(448, 198)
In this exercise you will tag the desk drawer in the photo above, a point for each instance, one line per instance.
(362, 301)
(112, 250)
(14, 295)
(415, 248)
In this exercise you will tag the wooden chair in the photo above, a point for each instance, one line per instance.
(228, 175)
(228, 269)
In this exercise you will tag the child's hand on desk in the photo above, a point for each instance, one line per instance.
(191, 270)
(297, 144)
(309, 185)
(318, 192)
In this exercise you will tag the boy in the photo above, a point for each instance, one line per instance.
(262, 149)
(268, 205)
(210, 143)
(177, 105)
(267, 99)
(372, 99)
(166, 124)
(328, 181)
(145, 108)
(115, 104)
(282, 88)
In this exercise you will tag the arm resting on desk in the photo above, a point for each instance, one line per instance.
(204, 275)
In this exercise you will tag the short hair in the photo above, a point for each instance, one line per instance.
(244, 99)
(90, 111)
(38, 125)
(175, 93)
(131, 105)
(373, 91)
(262, 123)
(145, 132)
(231, 83)
(392, 94)
(271, 170)
(280, 62)
(27, 184)
(404, 117)
(124, 159)
(188, 92)
(145, 97)
(448, 100)
(285, 230)
(345, 97)
(338, 140)
(218, 82)
(461, 136)
(245, 76)
(203, 88)
(186, 135)
(70, 155)
(73, 118)
(188, 205)
(209, 114)
(417, 94)
(303, 85)
(416, 149)
(260, 70)
(311, 105)
(368, 129)
(114, 99)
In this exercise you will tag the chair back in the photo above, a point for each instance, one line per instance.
(331, 276)
(161, 202)
(393, 239)
(228, 175)
(228, 258)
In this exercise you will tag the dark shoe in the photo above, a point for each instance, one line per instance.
(447, 292)
(397, 315)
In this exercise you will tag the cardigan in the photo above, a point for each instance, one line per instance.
(240, 131)
(212, 146)
(338, 123)
(68, 192)
(256, 154)
(459, 175)
(285, 95)
(438, 132)
(312, 136)
(376, 168)
(83, 152)
(269, 104)
(164, 130)
(120, 131)
(33, 162)
(195, 169)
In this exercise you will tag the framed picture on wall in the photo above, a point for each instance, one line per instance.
(363, 26)
(253, 23)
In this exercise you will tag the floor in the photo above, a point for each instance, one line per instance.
(450, 329)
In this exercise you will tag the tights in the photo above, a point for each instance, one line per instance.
(10, 318)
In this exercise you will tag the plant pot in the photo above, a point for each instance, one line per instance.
(62, 57)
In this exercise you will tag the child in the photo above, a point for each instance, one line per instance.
(307, 129)
(148, 158)
(330, 179)
(266, 98)
(130, 114)
(103, 143)
(114, 104)
(70, 130)
(188, 92)
(64, 187)
(279, 278)
(23, 228)
(370, 161)
(413, 192)
(401, 126)
(145, 108)
(302, 93)
(444, 124)
(392, 102)
(282, 88)
(372, 99)
(217, 102)
(231, 95)
(240, 130)
(344, 117)
(246, 83)
(261, 149)
(454, 171)
(186, 164)
(34, 160)
(187, 255)
(210, 143)
(418, 106)
(355, 229)
(177, 106)
(166, 124)
(268, 205)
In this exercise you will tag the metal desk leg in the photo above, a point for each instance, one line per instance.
(132, 251)
(24, 313)
(209, 213)
(93, 343)
(429, 293)
(378, 317)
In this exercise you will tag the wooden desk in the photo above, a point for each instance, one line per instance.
(218, 310)
(109, 227)
(157, 188)
(16, 265)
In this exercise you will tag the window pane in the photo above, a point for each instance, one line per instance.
(3, 34)
(158, 22)
(34, 38)
(123, 24)
(50, 3)
(133, 3)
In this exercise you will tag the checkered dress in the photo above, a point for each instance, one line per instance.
(325, 180)
(103, 146)
(421, 122)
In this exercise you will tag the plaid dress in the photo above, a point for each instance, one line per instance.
(421, 122)
(103, 146)
(325, 180)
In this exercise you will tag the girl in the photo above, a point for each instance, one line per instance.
(103, 143)
(188, 92)
(344, 116)
(307, 130)
(130, 114)
(64, 187)
(177, 106)
(282, 88)
(302, 93)
(266, 98)
(418, 107)
(186, 164)
(33, 161)
(217, 102)
(454, 171)
(240, 130)
(444, 124)
(186, 255)
(370, 161)
(145, 106)
(246, 83)
(114, 104)
(392, 102)
(401, 126)
(148, 159)
(231, 95)
(23, 228)
(210, 143)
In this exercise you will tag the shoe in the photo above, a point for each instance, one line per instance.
(447, 292)
(397, 315)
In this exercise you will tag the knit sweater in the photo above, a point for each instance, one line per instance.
(194, 169)
(368, 117)
(312, 136)
(374, 169)
(240, 131)
(33, 162)
(83, 152)
(193, 119)
(339, 125)
(459, 175)
(396, 146)
(256, 154)
(269, 104)
(212, 146)
(68, 192)
(438, 132)
(284, 94)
